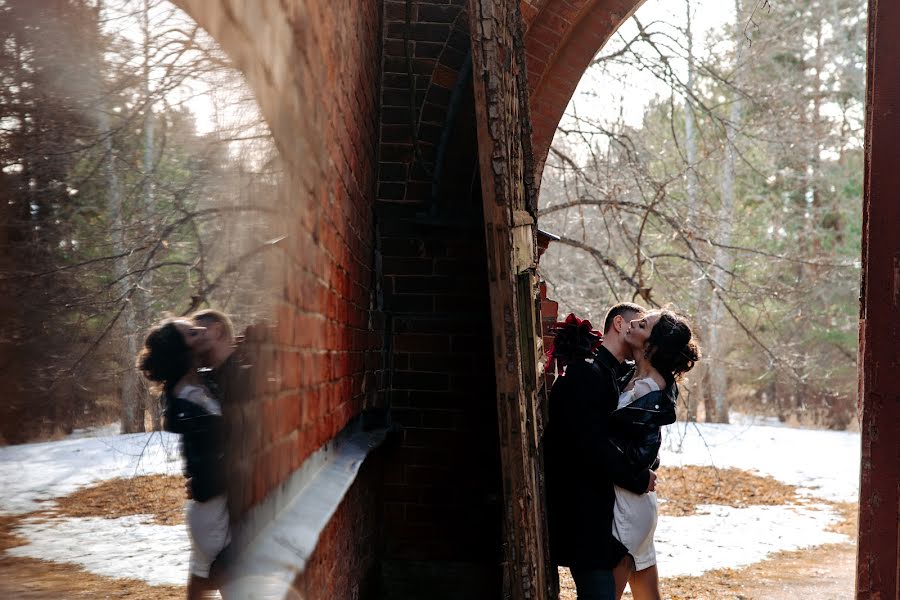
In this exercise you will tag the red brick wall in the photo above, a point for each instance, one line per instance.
(315, 69)
(344, 565)
(317, 366)
(384, 299)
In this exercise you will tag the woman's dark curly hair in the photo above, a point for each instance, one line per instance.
(670, 347)
(165, 357)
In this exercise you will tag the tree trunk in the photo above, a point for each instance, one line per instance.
(717, 343)
(144, 295)
(690, 135)
(132, 387)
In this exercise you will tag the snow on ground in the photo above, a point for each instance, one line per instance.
(126, 547)
(32, 473)
(823, 464)
(736, 418)
(724, 537)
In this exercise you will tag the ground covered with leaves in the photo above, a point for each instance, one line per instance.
(822, 572)
(159, 496)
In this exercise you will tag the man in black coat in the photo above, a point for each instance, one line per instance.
(578, 467)
(229, 378)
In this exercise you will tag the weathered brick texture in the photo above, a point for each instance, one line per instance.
(345, 564)
(384, 301)
(442, 484)
(315, 69)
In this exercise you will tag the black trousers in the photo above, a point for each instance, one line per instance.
(594, 584)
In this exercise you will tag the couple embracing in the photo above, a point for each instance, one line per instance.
(194, 363)
(602, 443)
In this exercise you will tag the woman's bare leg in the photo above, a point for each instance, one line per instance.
(645, 584)
(199, 588)
(621, 574)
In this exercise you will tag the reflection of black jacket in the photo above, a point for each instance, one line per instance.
(580, 494)
(635, 436)
(198, 419)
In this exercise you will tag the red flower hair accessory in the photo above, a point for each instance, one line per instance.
(573, 339)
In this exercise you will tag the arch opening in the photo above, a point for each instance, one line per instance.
(664, 190)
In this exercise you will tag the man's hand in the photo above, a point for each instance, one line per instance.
(190, 495)
(651, 486)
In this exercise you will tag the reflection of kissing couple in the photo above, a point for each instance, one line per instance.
(194, 361)
(602, 442)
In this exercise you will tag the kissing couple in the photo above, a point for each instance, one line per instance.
(602, 441)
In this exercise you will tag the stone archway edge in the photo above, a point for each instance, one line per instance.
(504, 151)
(279, 535)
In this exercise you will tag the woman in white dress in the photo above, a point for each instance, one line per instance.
(167, 359)
(664, 349)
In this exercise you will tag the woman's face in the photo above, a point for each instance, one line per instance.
(638, 331)
(193, 335)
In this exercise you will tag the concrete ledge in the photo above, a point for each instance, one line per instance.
(278, 536)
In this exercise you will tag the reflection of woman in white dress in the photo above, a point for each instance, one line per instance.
(663, 350)
(167, 358)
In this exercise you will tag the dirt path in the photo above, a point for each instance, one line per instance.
(34, 579)
(824, 573)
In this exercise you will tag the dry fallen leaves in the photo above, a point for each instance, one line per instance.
(160, 496)
(783, 575)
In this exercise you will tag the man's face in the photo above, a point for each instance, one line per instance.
(621, 329)
(194, 335)
(210, 333)
(623, 322)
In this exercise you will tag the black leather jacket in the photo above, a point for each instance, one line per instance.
(199, 422)
(635, 436)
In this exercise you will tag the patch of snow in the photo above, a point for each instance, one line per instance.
(822, 464)
(725, 537)
(126, 547)
(34, 473)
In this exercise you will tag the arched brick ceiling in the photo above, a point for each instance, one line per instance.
(562, 36)
(530, 9)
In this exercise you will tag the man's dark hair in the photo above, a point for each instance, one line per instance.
(620, 309)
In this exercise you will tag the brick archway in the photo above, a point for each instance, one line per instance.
(351, 156)
(561, 38)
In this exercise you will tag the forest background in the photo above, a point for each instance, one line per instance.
(717, 170)
(138, 180)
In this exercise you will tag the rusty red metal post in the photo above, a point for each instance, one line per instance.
(878, 559)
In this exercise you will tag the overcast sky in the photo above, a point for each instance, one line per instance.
(605, 98)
